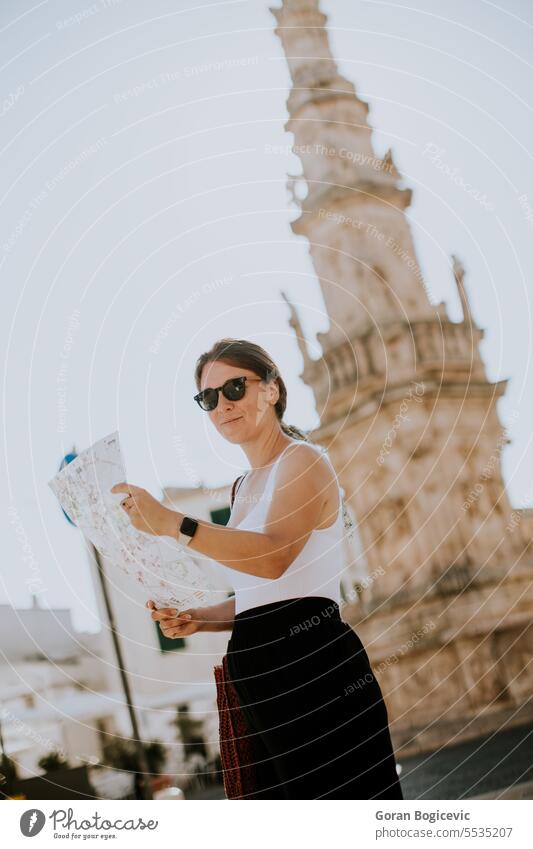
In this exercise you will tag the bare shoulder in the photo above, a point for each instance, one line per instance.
(304, 460)
(305, 492)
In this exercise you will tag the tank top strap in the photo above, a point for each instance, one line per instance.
(271, 478)
(272, 474)
(324, 453)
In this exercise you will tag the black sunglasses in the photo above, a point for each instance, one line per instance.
(233, 389)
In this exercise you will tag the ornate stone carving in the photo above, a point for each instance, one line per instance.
(411, 424)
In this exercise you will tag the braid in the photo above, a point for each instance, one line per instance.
(294, 432)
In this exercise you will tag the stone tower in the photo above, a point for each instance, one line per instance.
(411, 424)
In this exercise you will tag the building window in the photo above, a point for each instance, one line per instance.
(167, 643)
(220, 516)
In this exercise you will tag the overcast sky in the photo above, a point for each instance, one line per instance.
(142, 218)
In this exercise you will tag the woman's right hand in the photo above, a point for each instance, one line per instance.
(174, 624)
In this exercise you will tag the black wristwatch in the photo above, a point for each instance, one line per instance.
(187, 530)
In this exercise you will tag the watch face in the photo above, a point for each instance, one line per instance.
(188, 526)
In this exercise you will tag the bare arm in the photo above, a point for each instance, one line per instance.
(216, 617)
(293, 514)
(183, 623)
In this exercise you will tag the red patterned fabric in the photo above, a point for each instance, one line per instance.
(236, 745)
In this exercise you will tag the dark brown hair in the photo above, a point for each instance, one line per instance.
(248, 355)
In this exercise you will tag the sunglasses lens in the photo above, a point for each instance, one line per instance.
(208, 399)
(234, 389)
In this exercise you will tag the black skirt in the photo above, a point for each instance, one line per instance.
(312, 703)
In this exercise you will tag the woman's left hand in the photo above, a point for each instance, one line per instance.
(145, 512)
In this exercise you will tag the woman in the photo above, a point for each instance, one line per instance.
(302, 675)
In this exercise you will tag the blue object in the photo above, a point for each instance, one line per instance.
(68, 458)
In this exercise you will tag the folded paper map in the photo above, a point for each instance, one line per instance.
(170, 575)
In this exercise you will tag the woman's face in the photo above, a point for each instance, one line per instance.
(239, 421)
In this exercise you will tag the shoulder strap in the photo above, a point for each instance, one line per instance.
(269, 486)
(239, 480)
(235, 482)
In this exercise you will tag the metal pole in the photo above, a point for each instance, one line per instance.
(139, 745)
(2, 746)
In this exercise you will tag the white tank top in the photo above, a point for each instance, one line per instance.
(315, 571)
